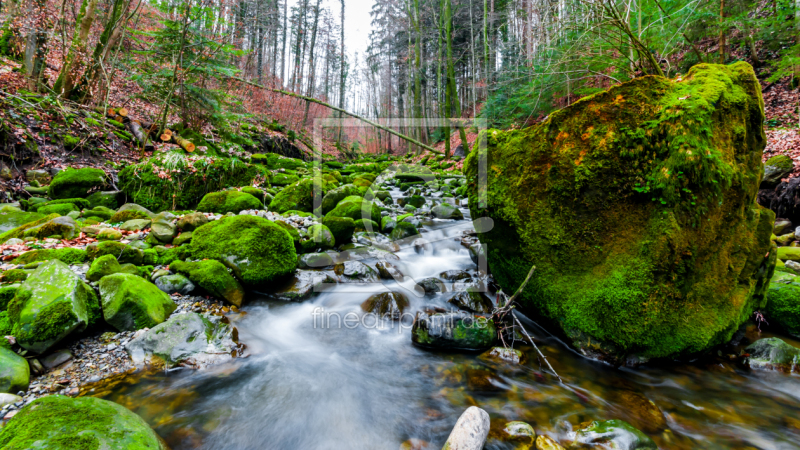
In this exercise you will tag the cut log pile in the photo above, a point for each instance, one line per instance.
(146, 132)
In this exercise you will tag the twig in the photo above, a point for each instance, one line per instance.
(537, 348)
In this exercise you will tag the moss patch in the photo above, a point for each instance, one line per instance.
(224, 202)
(75, 183)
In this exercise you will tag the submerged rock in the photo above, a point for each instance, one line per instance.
(504, 355)
(303, 285)
(614, 434)
(386, 304)
(636, 205)
(773, 354)
(544, 442)
(60, 423)
(186, 339)
(471, 300)
(453, 331)
(470, 431)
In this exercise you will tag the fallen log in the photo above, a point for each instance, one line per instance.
(141, 137)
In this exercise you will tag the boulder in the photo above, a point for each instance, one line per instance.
(300, 196)
(130, 211)
(314, 260)
(783, 302)
(256, 249)
(453, 331)
(14, 218)
(213, 277)
(432, 285)
(163, 228)
(64, 226)
(637, 207)
(19, 232)
(58, 422)
(773, 354)
(470, 431)
(135, 224)
(123, 252)
(177, 283)
(182, 238)
(107, 199)
(775, 169)
(302, 286)
(356, 208)
(75, 183)
(224, 202)
(471, 300)
(109, 234)
(50, 305)
(388, 305)
(403, 230)
(103, 266)
(185, 339)
(521, 434)
(356, 271)
(503, 355)
(192, 221)
(319, 237)
(334, 196)
(614, 434)
(447, 211)
(15, 374)
(131, 303)
(341, 227)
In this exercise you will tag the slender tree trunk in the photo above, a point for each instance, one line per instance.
(65, 81)
(312, 68)
(341, 73)
(283, 49)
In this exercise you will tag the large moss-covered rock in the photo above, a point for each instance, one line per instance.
(66, 255)
(213, 277)
(19, 232)
(14, 372)
(52, 303)
(187, 339)
(319, 237)
(334, 196)
(75, 183)
(224, 202)
(773, 354)
(637, 206)
(123, 252)
(341, 227)
(299, 196)
(453, 331)
(356, 208)
(783, 302)
(131, 303)
(14, 218)
(257, 250)
(57, 422)
(64, 226)
(776, 168)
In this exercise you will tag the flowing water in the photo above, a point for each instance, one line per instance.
(305, 385)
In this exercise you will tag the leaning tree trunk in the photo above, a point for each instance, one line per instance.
(86, 16)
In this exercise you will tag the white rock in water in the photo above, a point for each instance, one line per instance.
(470, 431)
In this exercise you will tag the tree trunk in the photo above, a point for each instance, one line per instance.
(341, 73)
(86, 16)
(311, 66)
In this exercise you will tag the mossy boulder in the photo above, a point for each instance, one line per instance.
(319, 237)
(637, 207)
(224, 202)
(298, 196)
(257, 250)
(13, 276)
(131, 303)
(334, 196)
(19, 232)
(135, 224)
(341, 227)
(100, 212)
(15, 218)
(614, 434)
(106, 199)
(283, 179)
(356, 208)
(63, 226)
(58, 422)
(7, 293)
(255, 192)
(123, 252)
(66, 255)
(783, 302)
(447, 211)
(453, 331)
(403, 230)
(108, 265)
(50, 305)
(213, 277)
(367, 225)
(75, 183)
(62, 209)
(175, 284)
(190, 222)
(15, 374)
(773, 354)
(128, 215)
(388, 305)
(109, 234)
(776, 168)
(162, 228)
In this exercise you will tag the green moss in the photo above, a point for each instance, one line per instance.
(174, 254)
(129, 214)
(356, 208)
(255, 192)
(19, 232)
(75, 183)
(403, 230)
(70, 142)
(61, 209)
(292, 232)
(132, 303)
(782, 161)
(79, 204)
(6, 294)
(334, 196)
(186, 186)
(66, 255)
(213, 277)
(257, 250)
(13, 276)
(637, 206)
(783, 302)
(102, 266)
(367, 225)
(341, 227)
(5, 329)
(123, 252)
(224, 202)
(62, 423)
(319, 237)
(51, 322)
(298, 196)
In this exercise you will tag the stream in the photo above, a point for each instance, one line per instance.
(308, 386)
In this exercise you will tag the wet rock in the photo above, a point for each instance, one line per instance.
(520, 433)
(315, 260)
(355, 271)
(773, 354)
(455, 275)
(403, 230)
(9, 399)
(377, 240)
(14, 372)
(453, 331)
(776, 168)
(544, 442)
(135, 225)
(63, 226)
(55, 359)
(192, 221)
(614, 434)
(319, 237)
(162, 227)
(414, 444)
(109, 234)
(131, 303)
(781, 226)
(644, 414)
(182, 238)
(504, 355)
(301, 286)
(432, 285)
(158, 273)
(52, 303)
(60, 422)
(471, 300)
(185, 339)
(386, 304)
(447, 211)
(422, 246)
(388, 271)
(177, 283)
(470, 431)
